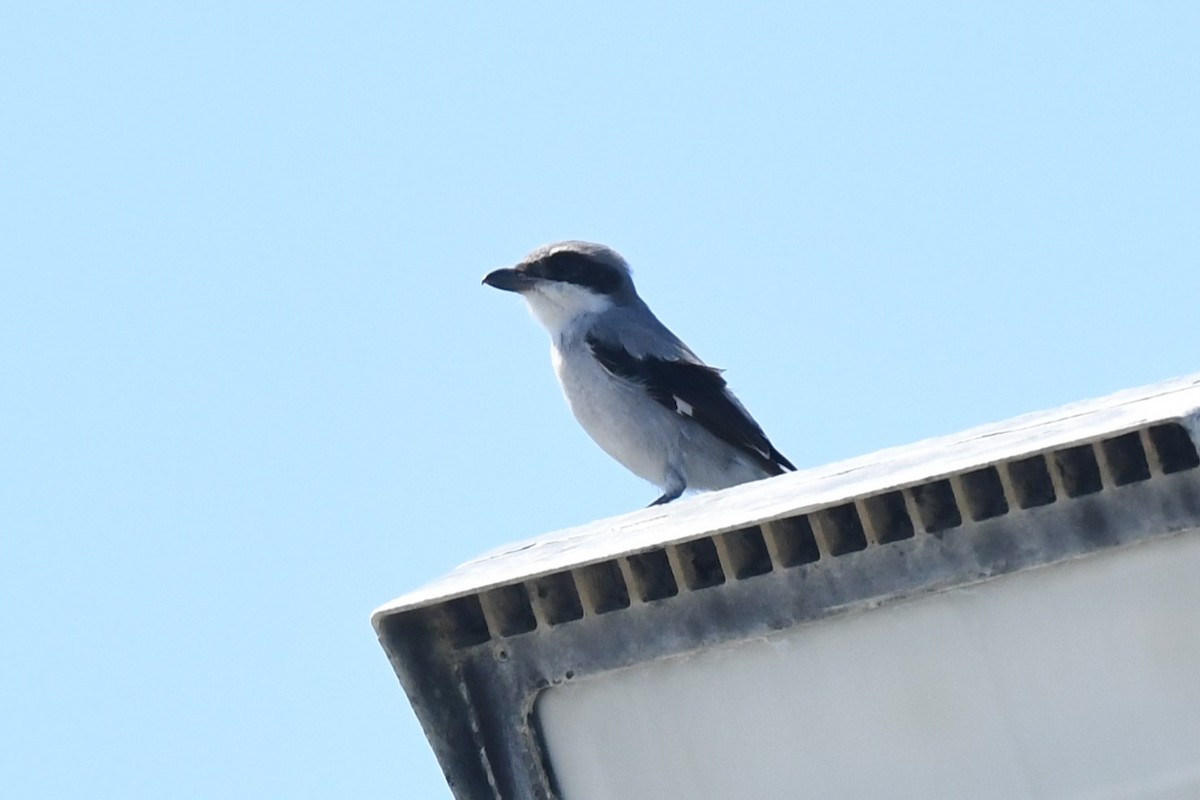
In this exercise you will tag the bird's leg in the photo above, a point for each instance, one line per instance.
(674, 488)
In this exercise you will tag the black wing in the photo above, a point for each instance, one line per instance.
(696, 391)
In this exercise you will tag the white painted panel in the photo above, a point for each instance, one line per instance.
(1080, 680)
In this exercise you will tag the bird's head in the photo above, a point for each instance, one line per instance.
(565, 281)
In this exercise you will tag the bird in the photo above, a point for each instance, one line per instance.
(641, 394)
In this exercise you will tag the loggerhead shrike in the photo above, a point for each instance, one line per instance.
(636, 389)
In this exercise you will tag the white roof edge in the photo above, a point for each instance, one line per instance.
(808, 489)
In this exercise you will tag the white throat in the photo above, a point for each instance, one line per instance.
(559, 306)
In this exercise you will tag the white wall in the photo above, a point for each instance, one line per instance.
(1080, 680)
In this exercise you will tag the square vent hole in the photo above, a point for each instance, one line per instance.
(557, 597)
(888, 517)
(1079, 470)
(936, 506)
(604, 586)
(652, 574)
(1031, 482)
(842, 529)
(700, 563)
(1176, 451)
(747, 552)
(510, 610)
(794, 541)
(1126, 458)
(984, 494)
(464, 622)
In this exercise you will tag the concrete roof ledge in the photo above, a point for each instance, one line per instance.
(812, 488)
(1033, 579)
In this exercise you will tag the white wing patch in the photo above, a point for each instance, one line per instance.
(682, 406)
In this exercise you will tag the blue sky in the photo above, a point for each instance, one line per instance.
(253, 388)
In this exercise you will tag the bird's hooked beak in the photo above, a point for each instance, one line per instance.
(510, 280)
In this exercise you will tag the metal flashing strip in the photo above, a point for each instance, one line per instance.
(473, 655)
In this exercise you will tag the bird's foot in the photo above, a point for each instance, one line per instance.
(667, 496)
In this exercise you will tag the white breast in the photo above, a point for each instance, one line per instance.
(618, 416)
